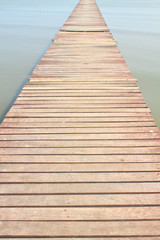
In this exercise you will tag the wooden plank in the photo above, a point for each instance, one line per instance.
(92, 125)
(96, 177)
(90, 238)
(79, 110)
(82, 100)
(81, 200)
(80, 143)
(105, 88)
(101, 98)
(79, 188)
(80, 167)
(78, 91)
(76, 130)
(70, 158)
(71, 105)
(79, 214)
(77, 114)
(53, 229)
(87, 84)
(78, 79)
(81, 119)
(79, 94)
(81, 151)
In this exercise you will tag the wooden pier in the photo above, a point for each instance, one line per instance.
(79, 149)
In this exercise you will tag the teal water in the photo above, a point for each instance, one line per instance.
(26, 30)
(27, 27)
(136, 26)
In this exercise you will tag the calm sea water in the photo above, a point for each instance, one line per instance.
(27, 27)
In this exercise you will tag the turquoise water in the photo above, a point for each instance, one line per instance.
(26, 30)
(136, 26)
(27, 27)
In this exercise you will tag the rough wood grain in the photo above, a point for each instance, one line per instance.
(74, 229)
(81, 200)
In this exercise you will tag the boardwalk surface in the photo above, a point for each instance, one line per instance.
(80, 151)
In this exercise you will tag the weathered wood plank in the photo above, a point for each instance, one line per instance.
(87, 100)
(79, 188)
(81, 200)
(80, 143)
(91, 125)
(96, 177)
(79, 214)
(81, 119)
(89, 238)
(55, 229)
(76, 130)
(88, 107)
(70, 158)
(81, 151)
(80, 167)
(81, 110)
(77, 114)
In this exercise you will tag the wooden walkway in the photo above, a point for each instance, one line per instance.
(80, 151)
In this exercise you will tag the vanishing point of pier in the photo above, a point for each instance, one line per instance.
(79, 149)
